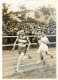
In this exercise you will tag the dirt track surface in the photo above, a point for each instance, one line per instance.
(28, 68)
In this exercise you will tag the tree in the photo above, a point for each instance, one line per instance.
(45, 15)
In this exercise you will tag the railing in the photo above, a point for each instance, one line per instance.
(28, 36)
(31, 36)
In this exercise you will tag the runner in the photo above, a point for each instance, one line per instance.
(23, 46)
(43, 48)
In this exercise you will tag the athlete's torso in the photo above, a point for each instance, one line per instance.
(22, 41)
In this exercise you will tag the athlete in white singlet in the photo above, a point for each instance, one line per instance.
(43, 48)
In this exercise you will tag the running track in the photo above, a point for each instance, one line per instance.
(9, 61)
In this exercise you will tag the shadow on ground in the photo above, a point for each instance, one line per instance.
(37, 71)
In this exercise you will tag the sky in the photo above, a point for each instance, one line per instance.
(31, 4)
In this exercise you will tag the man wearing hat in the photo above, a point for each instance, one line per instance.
(23, 46)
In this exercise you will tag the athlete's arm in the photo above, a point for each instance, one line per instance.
(15, 43)
(28, 43)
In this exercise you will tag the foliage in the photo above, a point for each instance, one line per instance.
(42, 18)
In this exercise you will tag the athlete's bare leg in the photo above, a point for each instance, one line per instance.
(49, 54)
(19, 60)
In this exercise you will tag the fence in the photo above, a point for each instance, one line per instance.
(28, 36)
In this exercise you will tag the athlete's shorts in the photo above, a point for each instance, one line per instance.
(22, 49)
(42, 48)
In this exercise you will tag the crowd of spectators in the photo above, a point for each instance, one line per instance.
(30, 29)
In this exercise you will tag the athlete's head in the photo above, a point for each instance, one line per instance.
(21, 32)
(42, 34)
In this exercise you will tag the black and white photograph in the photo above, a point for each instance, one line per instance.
(29, 39)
